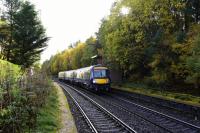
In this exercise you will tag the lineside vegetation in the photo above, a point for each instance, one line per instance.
(24, 88)
(49, 116)
(21, 97)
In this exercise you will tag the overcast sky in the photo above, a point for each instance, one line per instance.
(67, 21)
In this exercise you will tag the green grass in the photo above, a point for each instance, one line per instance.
(7, 69)
(49, 120)
(66, 116)
(155, 92)
(9, 73)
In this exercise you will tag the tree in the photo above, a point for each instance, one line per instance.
(193, 61)
(4, 39)
(144, 43)
(90, 49)
(77, 55)
(29, 36)
(7, 41)
(156, 42)
(22, 37)
(126, 37)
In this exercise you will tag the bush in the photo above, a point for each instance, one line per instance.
(21, 96)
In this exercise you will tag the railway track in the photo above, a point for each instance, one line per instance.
(190, 113)
(164, 121)
(170, 123)
(98, 118)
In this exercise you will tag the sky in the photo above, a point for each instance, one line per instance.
(67, 21)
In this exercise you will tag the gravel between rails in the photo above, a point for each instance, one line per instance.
(124, 109)
(188, 117)
(167, 123)
(80, 122)
(101, 119)
(139, 124)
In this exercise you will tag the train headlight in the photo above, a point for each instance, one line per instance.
(94, 81)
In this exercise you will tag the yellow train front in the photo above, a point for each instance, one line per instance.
(100, 78)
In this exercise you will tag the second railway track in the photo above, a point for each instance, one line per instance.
(165, 122)
(98, 118)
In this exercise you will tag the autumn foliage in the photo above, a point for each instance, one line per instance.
(156, 42)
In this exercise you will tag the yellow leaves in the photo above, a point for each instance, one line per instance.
(139, 36)
(159, 77)
(187, 46)
(180, 5)
(156, 61)
(7, 69)
(179, 70)
(2, 22)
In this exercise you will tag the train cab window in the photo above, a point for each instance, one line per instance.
(99, 73)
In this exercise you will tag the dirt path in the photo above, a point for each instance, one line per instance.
(67, 120)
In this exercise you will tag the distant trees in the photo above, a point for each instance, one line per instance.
(22, 37)
(155, 42)
(77, 56)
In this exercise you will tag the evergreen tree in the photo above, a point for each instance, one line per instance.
(29, 36)
(22, 36)
(7, 41)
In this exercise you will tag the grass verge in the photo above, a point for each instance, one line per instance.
(49, 120)
(68, 124)
(145, 90)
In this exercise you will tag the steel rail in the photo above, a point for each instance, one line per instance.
(104, 110)
(133, 113)
(150, 110)
(81, 110)
(162, 114)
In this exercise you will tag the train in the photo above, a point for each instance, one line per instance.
(96, 77)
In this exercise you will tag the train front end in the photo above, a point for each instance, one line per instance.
(100, 78)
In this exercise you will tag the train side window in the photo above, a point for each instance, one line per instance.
(91, 74)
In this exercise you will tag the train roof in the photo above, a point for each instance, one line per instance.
(99, 66)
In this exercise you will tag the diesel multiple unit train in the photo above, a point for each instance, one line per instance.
(93, 77)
